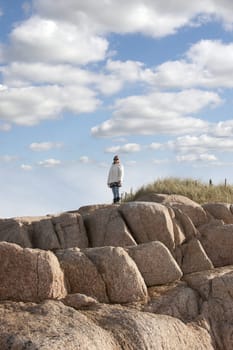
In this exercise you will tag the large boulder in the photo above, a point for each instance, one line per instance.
(215, 287)
(85, 210)
(221, 211)
(50, 326)
(81, 274)
(194, 257)
(149, 222)
(155, 262)
(45, 232)
(185, 225)
(203, 282)
(65, 230)
(123, 281)
(194, 210)
(54, 326)
(14, 231)
(105, 227)
(29, 274)
(174, 299)
(137, 330)
(70, 230)
(217, 241)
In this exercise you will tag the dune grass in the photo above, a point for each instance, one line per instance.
(196, 190)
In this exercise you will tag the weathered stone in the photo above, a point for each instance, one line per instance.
(14, 231)
(221, 211)
(178, 228)
(186, 224)
(202, 298)
(106, 227)
(78, 301)
(88, 209)
(149, 222)
(139, 330)
(81, 274)
(176, 300)
(123, 281)
(155, 263)
(178, 255)
(194, 257)
(216, 287)
(217, 242)
(29, 274)
(56, 231)
(194, 210)
(152, 197)
(225, 331)
(44, 235)
(204, 281)
(70, 230)
(50, 326)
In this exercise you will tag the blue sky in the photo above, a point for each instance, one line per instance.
(81, 81)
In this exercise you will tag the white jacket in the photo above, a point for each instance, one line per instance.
(116, 173)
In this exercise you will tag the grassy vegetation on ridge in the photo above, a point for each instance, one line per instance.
(196, 190)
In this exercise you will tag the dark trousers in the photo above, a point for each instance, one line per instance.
(116, 195)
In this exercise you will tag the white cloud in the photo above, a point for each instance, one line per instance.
(161, 161)
(84, 159)
(201, 54)
(155, 146)
(49, 163)
(21, 73)
(201, 144)
(107, 82)
(152, 17)
(208, 63)
(26, 167)
(110, 80)
(44, 146)
(167, 113)
(130, 71)
(3, 87)
(223, 11)
(115, 16)
(5, 127)
(30, 105)
(223, 128)
(8, 159)
(45, 40)
(127, 148)
(53, 36)
(204, 157)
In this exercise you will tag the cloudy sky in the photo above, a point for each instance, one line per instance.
(81, 81)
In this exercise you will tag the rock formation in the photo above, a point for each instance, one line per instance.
(156, 273)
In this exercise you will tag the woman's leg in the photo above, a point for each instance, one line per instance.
(117, 194)
(115, 191)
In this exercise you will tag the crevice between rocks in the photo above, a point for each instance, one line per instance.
(101, 276)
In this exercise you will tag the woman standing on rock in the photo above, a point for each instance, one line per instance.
(115, 178)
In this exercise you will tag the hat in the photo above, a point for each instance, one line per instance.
(116, 158)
